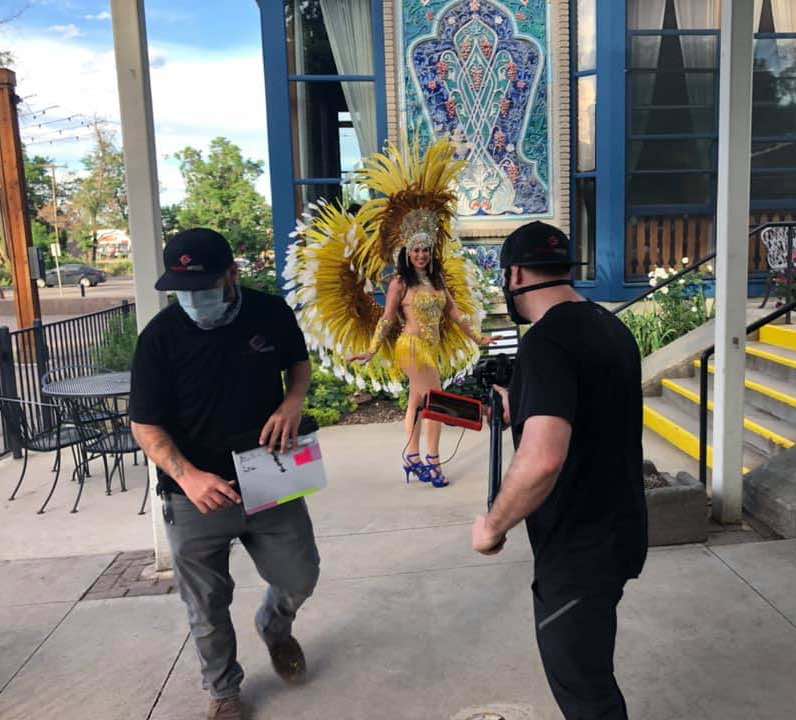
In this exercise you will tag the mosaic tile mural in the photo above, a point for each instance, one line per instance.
(477, 70)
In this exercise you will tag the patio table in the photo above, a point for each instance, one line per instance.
(111, 385)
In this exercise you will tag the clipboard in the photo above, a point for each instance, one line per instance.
(267, 480)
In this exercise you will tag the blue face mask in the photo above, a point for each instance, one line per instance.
(204, 307)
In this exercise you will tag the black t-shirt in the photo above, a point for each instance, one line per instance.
(210, 388)
(581, 363)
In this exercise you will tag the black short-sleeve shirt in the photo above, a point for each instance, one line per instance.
(207, 388)
(581, 363)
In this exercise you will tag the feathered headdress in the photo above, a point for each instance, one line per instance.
(415, 203)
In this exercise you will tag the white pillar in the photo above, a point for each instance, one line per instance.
(140, 159)
(732, 251)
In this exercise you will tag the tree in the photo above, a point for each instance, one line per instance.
(170, 221)
(101, 196)
(38, 183)
(221, 194)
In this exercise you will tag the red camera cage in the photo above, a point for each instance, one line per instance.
(448, 415)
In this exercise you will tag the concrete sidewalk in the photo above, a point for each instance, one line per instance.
(406, 622)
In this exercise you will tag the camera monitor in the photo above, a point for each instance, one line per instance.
(453, 410)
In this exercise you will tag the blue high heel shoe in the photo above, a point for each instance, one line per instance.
(416, 468)
(434, 469)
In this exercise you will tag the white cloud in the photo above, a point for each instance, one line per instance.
(104, 15)
(197, 95)
(66, 31)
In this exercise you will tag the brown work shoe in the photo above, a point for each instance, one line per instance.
(288, 659)
(224, 709)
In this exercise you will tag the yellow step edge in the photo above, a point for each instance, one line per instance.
(771, 356)
(782, 336)
(759, 387)
(677, 436)
(750, 425)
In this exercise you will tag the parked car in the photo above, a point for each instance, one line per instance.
(74, 275)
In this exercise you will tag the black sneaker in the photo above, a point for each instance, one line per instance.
(287, 658)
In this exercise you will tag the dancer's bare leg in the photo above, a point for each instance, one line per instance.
(421, 380)
(412, 428)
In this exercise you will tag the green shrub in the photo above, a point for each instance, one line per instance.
(329, 398)
(118, 345)
(676, 310)
(261, 277)
(5, 276)
(119, 267)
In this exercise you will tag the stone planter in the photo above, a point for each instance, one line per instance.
(678, 511)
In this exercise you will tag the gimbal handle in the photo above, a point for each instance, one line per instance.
(495, 446)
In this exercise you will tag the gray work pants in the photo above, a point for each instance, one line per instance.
(281, 543)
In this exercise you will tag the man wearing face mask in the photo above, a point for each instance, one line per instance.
(207, 379)
(575, 410)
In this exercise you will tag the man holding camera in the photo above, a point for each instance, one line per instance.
(575, 410)
(207, 379)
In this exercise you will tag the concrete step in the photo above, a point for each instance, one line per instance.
(771, 395)
(681, 429)
(780, 336)
(779, 363)
(765, 433)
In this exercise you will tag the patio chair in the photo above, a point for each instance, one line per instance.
(40, 428)
(777, 243)
(105, 433)
(90, 409)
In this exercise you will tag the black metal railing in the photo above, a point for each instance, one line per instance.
(703, 386)
(27, 355)
(668, 281)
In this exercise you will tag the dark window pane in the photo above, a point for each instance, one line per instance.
(586, 224)
(773, 118)
(776, 186)
(587, 34)
(587, 111)
(774, 155)
(674, 189)
(776, 56)
(694, 52)
(672, 88)
(306, 194)
(672, 155)
(317, 45)
(328, 138)
(674, 120)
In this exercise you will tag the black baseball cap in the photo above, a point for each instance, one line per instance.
(195, 259)
(535, 245)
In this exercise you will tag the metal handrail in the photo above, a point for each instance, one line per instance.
(653, 289)
(703, 387)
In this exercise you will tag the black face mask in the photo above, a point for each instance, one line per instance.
(509, 295)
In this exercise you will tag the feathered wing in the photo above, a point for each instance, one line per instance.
(338, 260)
(333, 301)
(459, 353)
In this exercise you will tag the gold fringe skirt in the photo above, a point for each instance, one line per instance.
(412, 351)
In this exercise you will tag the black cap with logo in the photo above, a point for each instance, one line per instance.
(195, 259)
(535, 245)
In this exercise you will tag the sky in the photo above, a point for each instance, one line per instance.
(206, 71)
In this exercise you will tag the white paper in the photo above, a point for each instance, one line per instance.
(269, 479)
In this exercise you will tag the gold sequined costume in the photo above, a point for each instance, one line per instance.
(338, 261)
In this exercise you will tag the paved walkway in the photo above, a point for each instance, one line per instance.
(406, 623)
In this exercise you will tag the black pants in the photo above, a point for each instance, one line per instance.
(576, 633)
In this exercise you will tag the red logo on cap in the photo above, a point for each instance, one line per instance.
(185, 259)
(552, 241)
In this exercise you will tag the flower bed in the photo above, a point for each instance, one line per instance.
(673, 310)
